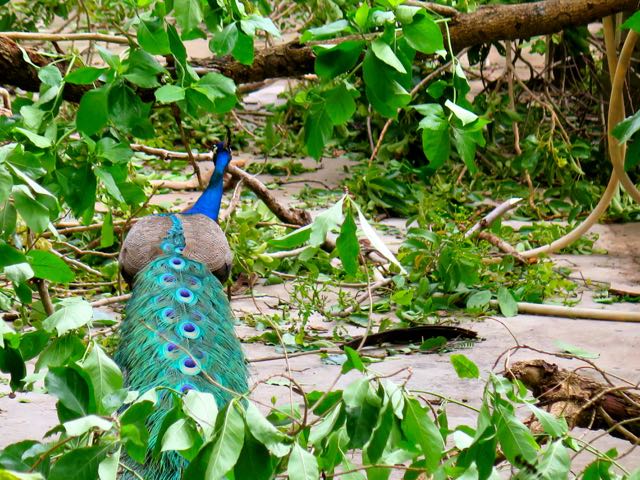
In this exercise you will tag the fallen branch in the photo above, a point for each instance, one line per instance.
(493, 215)
(293, 216)
(504, 246)
(583, 402)
(66, 37)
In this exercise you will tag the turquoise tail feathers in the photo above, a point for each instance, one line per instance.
(178, 333)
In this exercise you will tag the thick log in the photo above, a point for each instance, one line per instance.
(583, 402)
(485, 25)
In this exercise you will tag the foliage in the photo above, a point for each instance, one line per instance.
(444, 150)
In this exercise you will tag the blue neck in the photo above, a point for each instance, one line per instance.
(209, 202)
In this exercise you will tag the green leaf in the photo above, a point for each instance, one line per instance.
(324, 223)
(464, 367)
(317, 130)
(169, 94)
(383, 90)
(74, 313)
(340, 104)
(18, 274)
(11, 362)
(466, 146)
(628, 127)
(302, 465)
(109, 183)
(70, 388)
(263, 431)
(153, 37)
(515, 438)
(179, 436)
(348, 245)
(38, 140)
(384, 52)
(10, 256)
(577, 351)
(255, 22)
(8, 219)
(6, 182)
(108, 469)
(420, 429)
(216, 458)
(50, 75)
(554, 426)
(79, 464)
(464, 115)
(82, 425)
(188, 14)
(321, 430)
(104, 374)
(633, 22)
(128, 112)
(84, 75)
(61, 351)
(4, 328)
(479, 300)
(423, 34)
(50, 267)
(554, 463)
(375, 239)
(34, 213)
(202, 407)
(333, 60)
(243, 48)
(93, 112)
(353, 361)
(224, 41)
(325, 31)
(508, 305)
(142, 69)
(435, 134)
(380, 437)
(107, 237)
(293, 239)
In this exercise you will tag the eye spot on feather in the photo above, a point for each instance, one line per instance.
(184, 388)
(171, 350)
(194, 282)
(167, 247)
(189, 366)
(168, 314)
(178, 250)
(167, 279)
(185, 295)
(197, 316)
(176, 263)
(189, 330)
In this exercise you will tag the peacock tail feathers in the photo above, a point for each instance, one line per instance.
(178, 333)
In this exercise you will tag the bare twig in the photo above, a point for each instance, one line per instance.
(492, 216)
(66, 37)
(45, 298)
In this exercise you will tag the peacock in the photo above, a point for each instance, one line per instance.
(178, 331)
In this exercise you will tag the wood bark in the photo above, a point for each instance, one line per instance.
(583, 402)
(486, 25)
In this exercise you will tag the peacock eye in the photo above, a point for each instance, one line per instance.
(186, 387)
(176, 263)
(189, 366)
(185, 295)
(189, 330)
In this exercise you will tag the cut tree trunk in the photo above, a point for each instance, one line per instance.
(486, 25)
(583, 402)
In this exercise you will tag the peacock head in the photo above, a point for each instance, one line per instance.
(222, 156)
